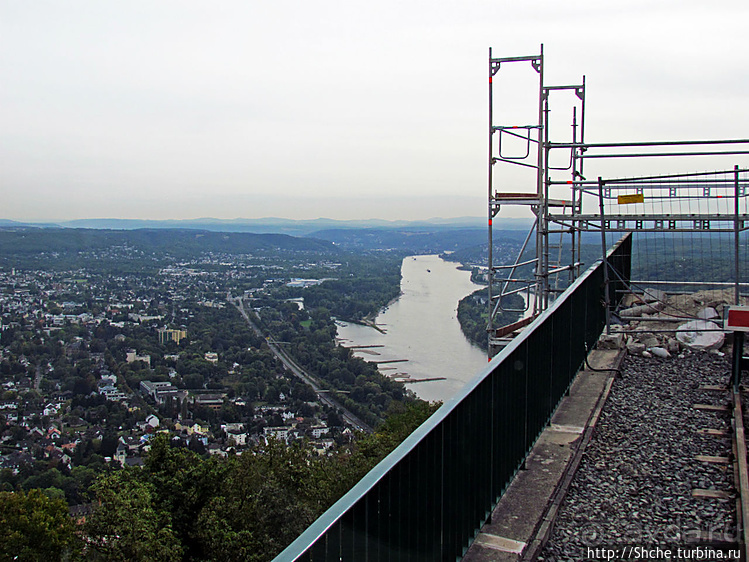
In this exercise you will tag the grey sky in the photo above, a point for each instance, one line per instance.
(343, 109)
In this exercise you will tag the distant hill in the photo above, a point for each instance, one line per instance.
(17, 241)
(275, 225)
(5, 223)
(34, 245)
(413, 239)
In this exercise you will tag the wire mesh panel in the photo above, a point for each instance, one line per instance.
(427, 500)
(690, 227)
(675, 202)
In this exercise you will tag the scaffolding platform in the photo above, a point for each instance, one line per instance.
(711, 207)
(528, 199)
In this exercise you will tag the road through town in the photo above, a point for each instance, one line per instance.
(322, 394)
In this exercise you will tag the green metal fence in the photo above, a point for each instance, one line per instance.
(427, 500)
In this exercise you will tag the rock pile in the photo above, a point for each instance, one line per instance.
(694, 320)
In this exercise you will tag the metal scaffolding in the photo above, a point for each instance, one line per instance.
(565, 204)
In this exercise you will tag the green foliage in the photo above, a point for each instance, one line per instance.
(248, 507)
(72, 248)
(185, 483)
(266, 501)
(402, 421)
(315, 349)
(473, 314)
(126, 525)
(354, 299)
(34, 527)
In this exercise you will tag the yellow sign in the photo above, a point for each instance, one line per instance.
(634, 198)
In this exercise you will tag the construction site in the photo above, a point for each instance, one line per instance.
(608, 424)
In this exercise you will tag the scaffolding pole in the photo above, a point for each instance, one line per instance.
(566, 214)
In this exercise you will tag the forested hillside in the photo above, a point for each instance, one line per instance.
(71, 248)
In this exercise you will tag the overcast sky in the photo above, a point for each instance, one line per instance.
(340, 109)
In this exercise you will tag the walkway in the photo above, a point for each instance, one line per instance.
(522, 518)
(651, 474)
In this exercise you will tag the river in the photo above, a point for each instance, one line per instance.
(422, 327)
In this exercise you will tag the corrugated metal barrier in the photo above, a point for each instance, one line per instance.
(427, 500)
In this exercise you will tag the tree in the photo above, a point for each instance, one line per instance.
(35, 527)
(126, 525)
(270, 496)
(194, 380)
(304, 392)
(334, 420)
(184, 484)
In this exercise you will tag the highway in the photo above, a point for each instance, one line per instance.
(322, 394)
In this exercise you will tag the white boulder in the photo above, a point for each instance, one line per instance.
(693, 335)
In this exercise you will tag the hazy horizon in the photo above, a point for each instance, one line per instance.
(390, 209)
(478, 221)
(183, 109)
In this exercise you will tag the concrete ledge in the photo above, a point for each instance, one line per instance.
(524, 515)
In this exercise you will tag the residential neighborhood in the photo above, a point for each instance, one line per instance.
(186, 392)
(92, 365)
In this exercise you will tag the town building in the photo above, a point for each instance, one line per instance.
(167, 335)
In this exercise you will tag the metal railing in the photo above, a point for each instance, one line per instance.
(427, 500)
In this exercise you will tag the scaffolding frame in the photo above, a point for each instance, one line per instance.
(567, 215)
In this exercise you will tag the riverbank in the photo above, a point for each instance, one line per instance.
(421, 325)
(370, 320)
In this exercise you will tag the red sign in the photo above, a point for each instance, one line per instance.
(737, 319)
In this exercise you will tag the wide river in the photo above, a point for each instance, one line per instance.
(422, 327)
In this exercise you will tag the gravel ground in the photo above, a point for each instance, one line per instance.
(634, 484)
